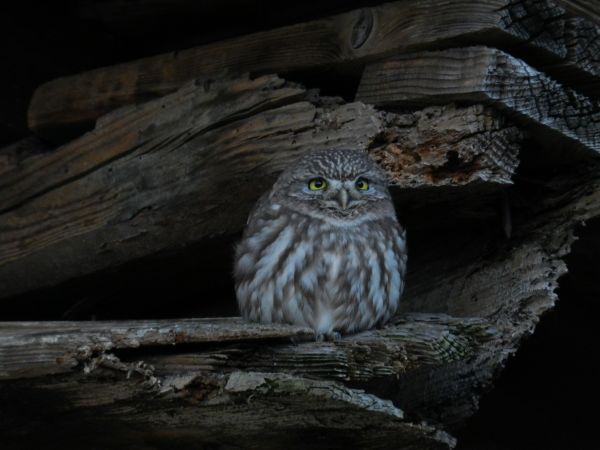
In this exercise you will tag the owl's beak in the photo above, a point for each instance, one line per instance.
(342, 198)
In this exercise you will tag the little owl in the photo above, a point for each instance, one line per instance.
(323, 247)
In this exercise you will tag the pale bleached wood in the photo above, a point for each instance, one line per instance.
(34, 349)
(188, 166)
(481, 74)
(30, 349)
(535, 28)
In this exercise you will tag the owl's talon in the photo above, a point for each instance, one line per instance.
(334, 336)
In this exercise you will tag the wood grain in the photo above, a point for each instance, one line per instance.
(433, 366)
(226, 412)
(481, 74)
(584, 8)
(34, 349)
(29, 349)
(190, 165)
(532, 27)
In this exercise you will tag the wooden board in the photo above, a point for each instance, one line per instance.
(65, 105)
(34, 349)
(190, 165)
(481, 74)
(29, 349)
(584, 8)
(433, 366)
(241, 410)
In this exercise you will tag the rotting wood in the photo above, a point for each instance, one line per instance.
(227, 411)
(432, 365)
(584, 8)
(34, 349)
(154, 379)
(76, 101)
(511, 284)
(187, 166)
(481, 74)
(37, 348)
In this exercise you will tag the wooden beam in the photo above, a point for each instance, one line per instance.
(34, 349)
(480, 74)
(432, 366)
(158, 366)
(588, 9)
(188, 166)
(30, 349)
(247, 409)
(537, 28)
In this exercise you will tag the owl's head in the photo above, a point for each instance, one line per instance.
(342, 184)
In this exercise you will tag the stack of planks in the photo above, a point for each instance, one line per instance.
(484, 114)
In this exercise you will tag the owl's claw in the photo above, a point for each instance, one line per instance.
(333, 336)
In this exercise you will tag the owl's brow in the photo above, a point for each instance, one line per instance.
(336, 176)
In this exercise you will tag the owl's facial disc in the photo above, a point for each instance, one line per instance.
(341, 196)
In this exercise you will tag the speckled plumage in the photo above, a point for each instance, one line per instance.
(332, 260)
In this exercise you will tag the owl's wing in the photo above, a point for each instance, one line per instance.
(261, 209)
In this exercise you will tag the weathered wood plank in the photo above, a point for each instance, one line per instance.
(373, 360)
(584, 8)
(433, 366)
(188, 166)
(239, 410)
(13, 156)
(29, 349)
(33, 349)
(122, 131)
(537, 28)
(480, 74)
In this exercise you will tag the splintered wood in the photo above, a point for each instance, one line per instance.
(481, 74)
(190, 165)
(538, 27)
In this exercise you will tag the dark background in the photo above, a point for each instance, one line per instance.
(541, 400)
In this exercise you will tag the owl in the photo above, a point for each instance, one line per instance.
(323, 248)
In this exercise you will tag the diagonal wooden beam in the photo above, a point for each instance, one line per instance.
(179, 169)
(535, 28)
(481, 74)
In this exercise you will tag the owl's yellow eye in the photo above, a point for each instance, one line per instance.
(317, 184)
(362, 184)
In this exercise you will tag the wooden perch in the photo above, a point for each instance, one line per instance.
(241, 409)
(480, 74)
(185, 379)
(190, 165)
(65, 105)
(33, 349)
(210, 380)
(29, 349)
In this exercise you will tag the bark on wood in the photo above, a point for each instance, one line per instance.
(481, 74)
(352, 38)
(188, 166)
